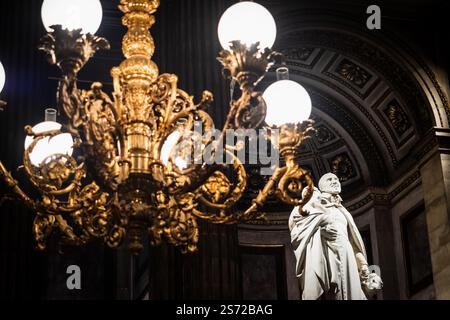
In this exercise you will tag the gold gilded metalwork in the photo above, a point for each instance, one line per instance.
(119, 185)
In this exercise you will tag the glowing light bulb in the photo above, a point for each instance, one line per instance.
(59, 144)
(171, 148)
(72, 14)
(248, 22)
(168, 146)
(287, 102)
(181, 163)
(2, 77)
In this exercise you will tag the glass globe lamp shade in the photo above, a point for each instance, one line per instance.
(287, 102)
(168, 148)
(72, 14)
(2, 77)
(180, 163)
(59, 144)
(248, 22)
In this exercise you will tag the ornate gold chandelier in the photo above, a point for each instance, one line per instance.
(117, 183)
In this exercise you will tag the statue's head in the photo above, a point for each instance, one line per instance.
(329, 183)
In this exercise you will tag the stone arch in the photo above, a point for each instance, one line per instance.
(375, 89)
(385, 51)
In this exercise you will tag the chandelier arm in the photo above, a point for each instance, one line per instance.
(217, 194)
(218, 187)
(192, 141)
(183, 114)
(260, 200)
(213, 144)
(18, 193)
(247, 66)
(94, 217)
(79, 200)
(205, 102)
(69, 101)
(94, 119)
(61, 168)
(96, 94)
(38, 176)
(192, 180)
(172, 79)
(59, 208)
(278, 179)
(43, 226)
(182, 230)
(212, 218)
(188, 205)
(70, 237)
(97, 218)
(243, 114)
(295, 187)
(108, 102)
(207, 99)
(251, 111)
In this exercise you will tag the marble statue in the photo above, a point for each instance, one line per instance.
(330, 253)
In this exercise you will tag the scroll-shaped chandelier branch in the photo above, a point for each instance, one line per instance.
(16, 191)
(290, 183)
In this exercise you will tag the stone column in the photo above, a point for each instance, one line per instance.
(435, 172)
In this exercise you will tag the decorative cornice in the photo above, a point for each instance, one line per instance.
(438, 139)
(385, 198)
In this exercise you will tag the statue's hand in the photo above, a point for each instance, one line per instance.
(364, 271)
(329, 232)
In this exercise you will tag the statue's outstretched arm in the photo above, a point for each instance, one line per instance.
(363, 266)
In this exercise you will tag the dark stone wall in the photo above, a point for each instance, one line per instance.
(22, 270)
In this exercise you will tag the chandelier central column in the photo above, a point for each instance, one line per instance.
(133, 88)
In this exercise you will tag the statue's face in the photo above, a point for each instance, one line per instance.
(331, 184)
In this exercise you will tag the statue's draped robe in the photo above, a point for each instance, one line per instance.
(327, 269)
